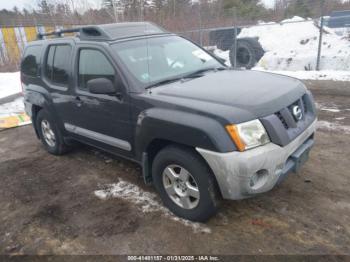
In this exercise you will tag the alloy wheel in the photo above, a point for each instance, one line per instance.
(181, 186)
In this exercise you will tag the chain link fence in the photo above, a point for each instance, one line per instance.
(294, 44)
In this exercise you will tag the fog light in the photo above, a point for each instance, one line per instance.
(258, 179)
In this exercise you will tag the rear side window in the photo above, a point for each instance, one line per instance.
(31, 61)
(93, 64)
(58, 63)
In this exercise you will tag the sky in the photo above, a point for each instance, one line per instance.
(30, 4)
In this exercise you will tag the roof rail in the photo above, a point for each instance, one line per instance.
(109, 32)
(58, 33)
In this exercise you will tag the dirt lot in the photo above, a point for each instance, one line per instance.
(48, 204)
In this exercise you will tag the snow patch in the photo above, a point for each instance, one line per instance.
(10, 84)
(12, 108)
(329, 126)
(329, 108)
(224, 55)
(145, 201)
(333, 110)
(293, 19)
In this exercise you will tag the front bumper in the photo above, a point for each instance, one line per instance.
(245, 174)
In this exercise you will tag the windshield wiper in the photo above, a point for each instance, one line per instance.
(163, 82)
(195, 74)
(200, 72)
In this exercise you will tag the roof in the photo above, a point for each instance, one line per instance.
(111, 32)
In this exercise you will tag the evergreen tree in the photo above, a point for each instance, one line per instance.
(299, 8)
(246, 9)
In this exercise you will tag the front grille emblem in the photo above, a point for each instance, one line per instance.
(297, 113)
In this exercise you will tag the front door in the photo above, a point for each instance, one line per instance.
(98, 119)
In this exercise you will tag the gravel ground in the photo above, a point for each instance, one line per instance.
(88, 202)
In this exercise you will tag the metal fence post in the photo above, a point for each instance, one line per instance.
(200, 25)
(320, 38)
(234, 40)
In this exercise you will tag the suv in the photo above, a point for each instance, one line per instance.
(200, 130)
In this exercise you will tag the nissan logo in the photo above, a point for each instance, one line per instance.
(297, 113)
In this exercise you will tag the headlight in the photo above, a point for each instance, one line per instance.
(248, 135)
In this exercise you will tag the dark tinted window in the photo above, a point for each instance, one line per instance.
(58, 63)
(93, 64)
(31, 61)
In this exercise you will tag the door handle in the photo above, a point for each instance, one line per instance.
(78, 101)
(119, 95)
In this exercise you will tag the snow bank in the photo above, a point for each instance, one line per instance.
(10, 84)
(291, 49)
(293, 46)
(332, 75)
(145, 201)
(12, 108)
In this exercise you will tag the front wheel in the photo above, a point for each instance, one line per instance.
(185, 183)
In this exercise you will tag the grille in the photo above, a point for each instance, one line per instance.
(304, 103)
(284, 123)
(287, 127)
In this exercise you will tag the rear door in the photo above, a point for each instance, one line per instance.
(57, 76)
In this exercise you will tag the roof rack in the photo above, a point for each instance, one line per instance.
(110, 32)
(58, 33)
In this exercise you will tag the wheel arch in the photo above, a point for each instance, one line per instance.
(156, 146)
(35, 110)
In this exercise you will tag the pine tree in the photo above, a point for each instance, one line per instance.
(298, 8)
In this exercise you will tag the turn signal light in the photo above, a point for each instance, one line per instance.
(233, 132)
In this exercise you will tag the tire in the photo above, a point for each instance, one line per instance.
(249, 52)
(56, 147)
(200, 177)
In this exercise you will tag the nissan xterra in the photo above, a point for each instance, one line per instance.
(200, 130)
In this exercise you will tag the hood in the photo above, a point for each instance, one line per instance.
(237, 96)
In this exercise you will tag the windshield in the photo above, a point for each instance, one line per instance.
(156, 59)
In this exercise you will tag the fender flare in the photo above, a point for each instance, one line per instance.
(172, 126)
(38, 98)
(180, 127)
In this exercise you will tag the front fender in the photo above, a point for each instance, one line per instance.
(181, 127)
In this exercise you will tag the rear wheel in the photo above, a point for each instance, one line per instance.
(49, 134)
(185, 183)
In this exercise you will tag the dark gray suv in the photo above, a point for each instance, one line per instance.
(200, 130)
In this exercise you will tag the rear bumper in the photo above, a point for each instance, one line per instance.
(245, 174)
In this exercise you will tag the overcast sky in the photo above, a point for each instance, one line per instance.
(30, 4)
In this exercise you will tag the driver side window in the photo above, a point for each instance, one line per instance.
(93, 64)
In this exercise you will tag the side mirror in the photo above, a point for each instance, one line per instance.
(101, 86)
